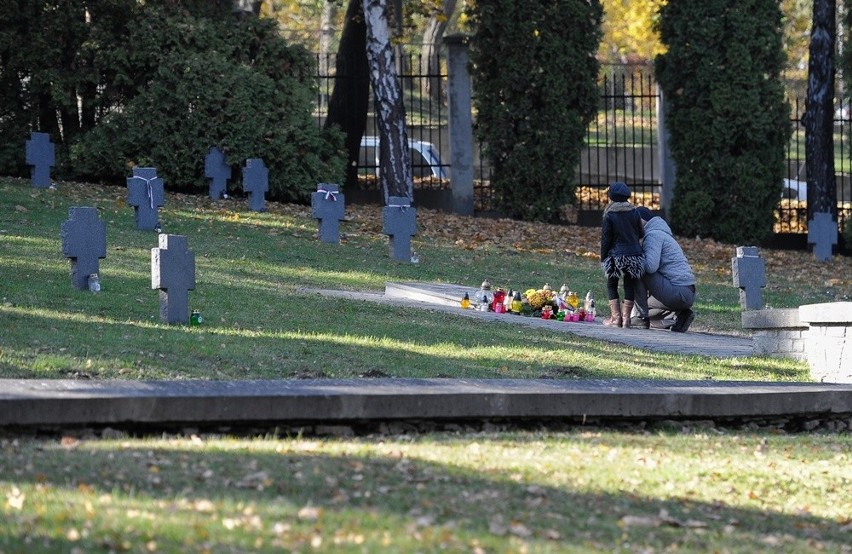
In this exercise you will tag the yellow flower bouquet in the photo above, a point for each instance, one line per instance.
(537, 299)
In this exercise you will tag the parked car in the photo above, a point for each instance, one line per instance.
(795, 190)
(425, 159)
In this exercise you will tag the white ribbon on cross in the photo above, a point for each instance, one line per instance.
(329, 194)
(150, 189)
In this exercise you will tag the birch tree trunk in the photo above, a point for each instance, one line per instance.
(431, 46)
(395, 161)
(819, 112)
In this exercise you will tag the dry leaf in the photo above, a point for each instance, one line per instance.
(309, 513)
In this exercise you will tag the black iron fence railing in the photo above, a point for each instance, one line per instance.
(426, 122)
(621, 144)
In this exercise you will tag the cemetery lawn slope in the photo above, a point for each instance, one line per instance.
(251, 266)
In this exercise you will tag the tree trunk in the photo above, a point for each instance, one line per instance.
(329, 11)
(347, 107)
(395, 162)
(429, 61)
(819, 112)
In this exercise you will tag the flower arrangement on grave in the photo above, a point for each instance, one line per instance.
(537, 299)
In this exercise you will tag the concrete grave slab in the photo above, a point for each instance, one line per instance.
(328, 207)
(173, 273)
(84, 242)
(41, 154)
(445, 298)
(145, 193)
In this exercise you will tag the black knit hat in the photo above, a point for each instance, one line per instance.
(619, 192)
(644, 213)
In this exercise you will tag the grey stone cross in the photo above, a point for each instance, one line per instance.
(173, 272)
(822, 233)
(217, 172)
(40, 155)
(749, 272)
(400, 223)
(145, 194)
(84, 242)
(256, 183)
(329, 208)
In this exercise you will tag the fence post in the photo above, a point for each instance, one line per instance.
(460, 123)
(667, 166)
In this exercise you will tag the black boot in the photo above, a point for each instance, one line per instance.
(683, 321)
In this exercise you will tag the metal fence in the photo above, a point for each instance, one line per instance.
(791, 214)
(621, 145)
(426, 122)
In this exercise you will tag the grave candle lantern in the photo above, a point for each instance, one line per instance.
(484, 296)
(498, 304)
(517, 303)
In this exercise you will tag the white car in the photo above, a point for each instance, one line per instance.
(425, 159)
(795, 190)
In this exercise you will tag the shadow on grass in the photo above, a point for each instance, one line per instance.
(244, 499)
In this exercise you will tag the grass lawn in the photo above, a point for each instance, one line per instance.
(584, 490)
(251, 266)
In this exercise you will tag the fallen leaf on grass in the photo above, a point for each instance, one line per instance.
(309, 513)
(663, 519)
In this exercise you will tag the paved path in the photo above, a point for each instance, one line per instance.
(445, 298)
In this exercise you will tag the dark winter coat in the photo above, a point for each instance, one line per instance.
(621, 232)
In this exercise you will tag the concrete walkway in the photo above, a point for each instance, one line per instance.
(445, 298)
(324, 402)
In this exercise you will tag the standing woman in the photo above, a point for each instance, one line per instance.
(621, 253)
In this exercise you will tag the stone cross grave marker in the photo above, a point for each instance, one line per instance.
(40, 155)
(329, 208)
(822, 233)
(145, 194)
(749, 272)
(400, 223)
(173, 272)
(84, 242)
(256, 183)
(217, 172)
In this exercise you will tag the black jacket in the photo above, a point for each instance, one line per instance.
(621, 232)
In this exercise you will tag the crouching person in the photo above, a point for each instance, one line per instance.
(666, 293)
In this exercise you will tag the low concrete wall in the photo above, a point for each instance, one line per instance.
(821, 334)
(777, 333)
(829, 341)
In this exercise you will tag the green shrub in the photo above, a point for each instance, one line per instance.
(159, 84)
(727, 117)
(535, 72)
(238, 87)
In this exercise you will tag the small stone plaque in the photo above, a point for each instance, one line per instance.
(256, 183)
(217, 172)
(145, 193)
(329, 208)
(84, 242)
(822, 233)
(749, 272)
(400, 224)
(173, 272)
(41, 154)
